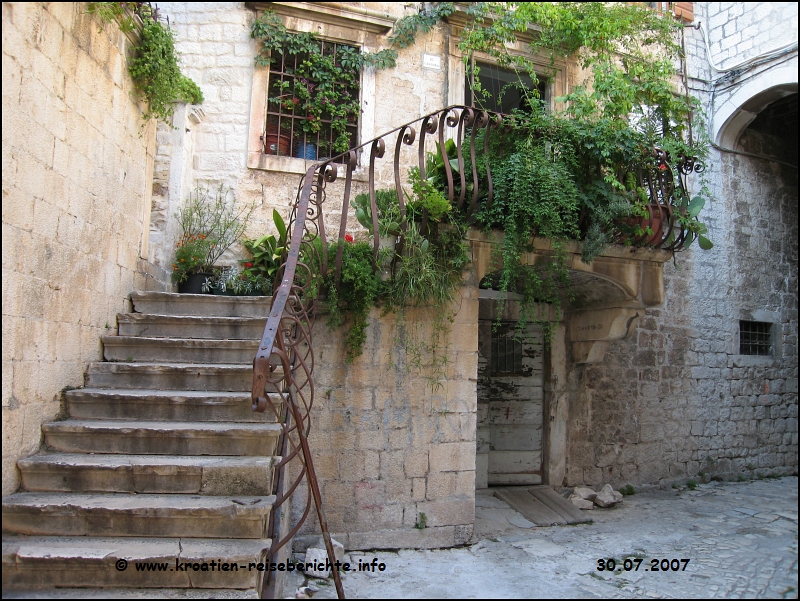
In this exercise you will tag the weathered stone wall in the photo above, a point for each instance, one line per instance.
(679, 400)
(387, 446)
(76, 175)
(742, 30)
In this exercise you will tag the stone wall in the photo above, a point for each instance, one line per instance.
(741, 30)
(77, 168)
(388, 446)
(671, 401)
(678, 400)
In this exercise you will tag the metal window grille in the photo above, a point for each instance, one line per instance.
(284, 133)
(755, 338)
(506, 353)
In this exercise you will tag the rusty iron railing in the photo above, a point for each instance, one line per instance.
(284, 364)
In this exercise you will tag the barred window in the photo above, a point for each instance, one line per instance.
(312, 118)
(755, 338)
(506, 353)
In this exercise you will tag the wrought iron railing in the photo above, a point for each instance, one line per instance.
(284, 364)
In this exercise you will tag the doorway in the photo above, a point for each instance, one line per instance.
(510, 398)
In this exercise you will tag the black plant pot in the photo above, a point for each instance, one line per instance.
(194, 284)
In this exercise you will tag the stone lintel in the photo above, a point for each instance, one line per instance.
(331, 13)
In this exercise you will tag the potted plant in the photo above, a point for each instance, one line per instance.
(267, 255)
(211, 222)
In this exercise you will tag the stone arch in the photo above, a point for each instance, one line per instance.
(741, 107)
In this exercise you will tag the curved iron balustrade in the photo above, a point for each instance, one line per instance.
(284, 364)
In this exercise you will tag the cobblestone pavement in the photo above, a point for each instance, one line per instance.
(740, 539)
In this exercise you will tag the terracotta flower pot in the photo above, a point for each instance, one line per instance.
(658, 217)
(275, 143)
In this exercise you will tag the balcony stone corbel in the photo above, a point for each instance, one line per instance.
(591, 331)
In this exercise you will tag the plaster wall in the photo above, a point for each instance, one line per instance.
(77, 168)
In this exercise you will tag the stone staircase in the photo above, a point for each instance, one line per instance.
(161, 461)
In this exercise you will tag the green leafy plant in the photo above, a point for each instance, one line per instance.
(356, 293)
(231, 281)
(154, 69)
(627, 490)
(322, 87)
(211, 222)
(691, 484)
(427, 200)
(267, 251)
(390, 221)
(422, 521)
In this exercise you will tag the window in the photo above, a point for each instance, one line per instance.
(343, 29)
(755, 338)
(313, 104)
(500, 89)
(506, 352)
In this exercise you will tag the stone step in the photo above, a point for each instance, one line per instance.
(166, 405)
(173, 376)
(170, 303)
(148, 474)
(123, 514)
(161, 438)
(191, 326)
(178, 350)
(47, 562)
(130, 593)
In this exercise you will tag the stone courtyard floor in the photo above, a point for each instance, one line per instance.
(740, 539)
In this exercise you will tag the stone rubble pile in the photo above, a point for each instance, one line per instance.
(586, 498)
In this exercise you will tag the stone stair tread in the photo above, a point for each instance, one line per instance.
(166, 426)
(213, 327)
(107, 366)
(136, 515)
(146, 349)
(132, 502)
(131, 593)
(174, 376)
(171, 303)
(148, 474)
(166, 405)
(211, 395)
(115, 460)
(87, 561)
(200, 342)
(138, 437)
(131, 317)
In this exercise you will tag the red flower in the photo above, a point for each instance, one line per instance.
(662, 167)
(248, 265)
(348, 238)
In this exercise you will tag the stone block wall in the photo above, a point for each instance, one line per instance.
(741, 30)
(387, 446)
(678, 401)
(77, 168)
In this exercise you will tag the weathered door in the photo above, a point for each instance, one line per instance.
(510, 403)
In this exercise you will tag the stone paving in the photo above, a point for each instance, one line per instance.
(740, 539)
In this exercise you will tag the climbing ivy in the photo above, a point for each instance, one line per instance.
(154, 69)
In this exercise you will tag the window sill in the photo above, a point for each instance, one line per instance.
(752, 360)
(268, 162)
